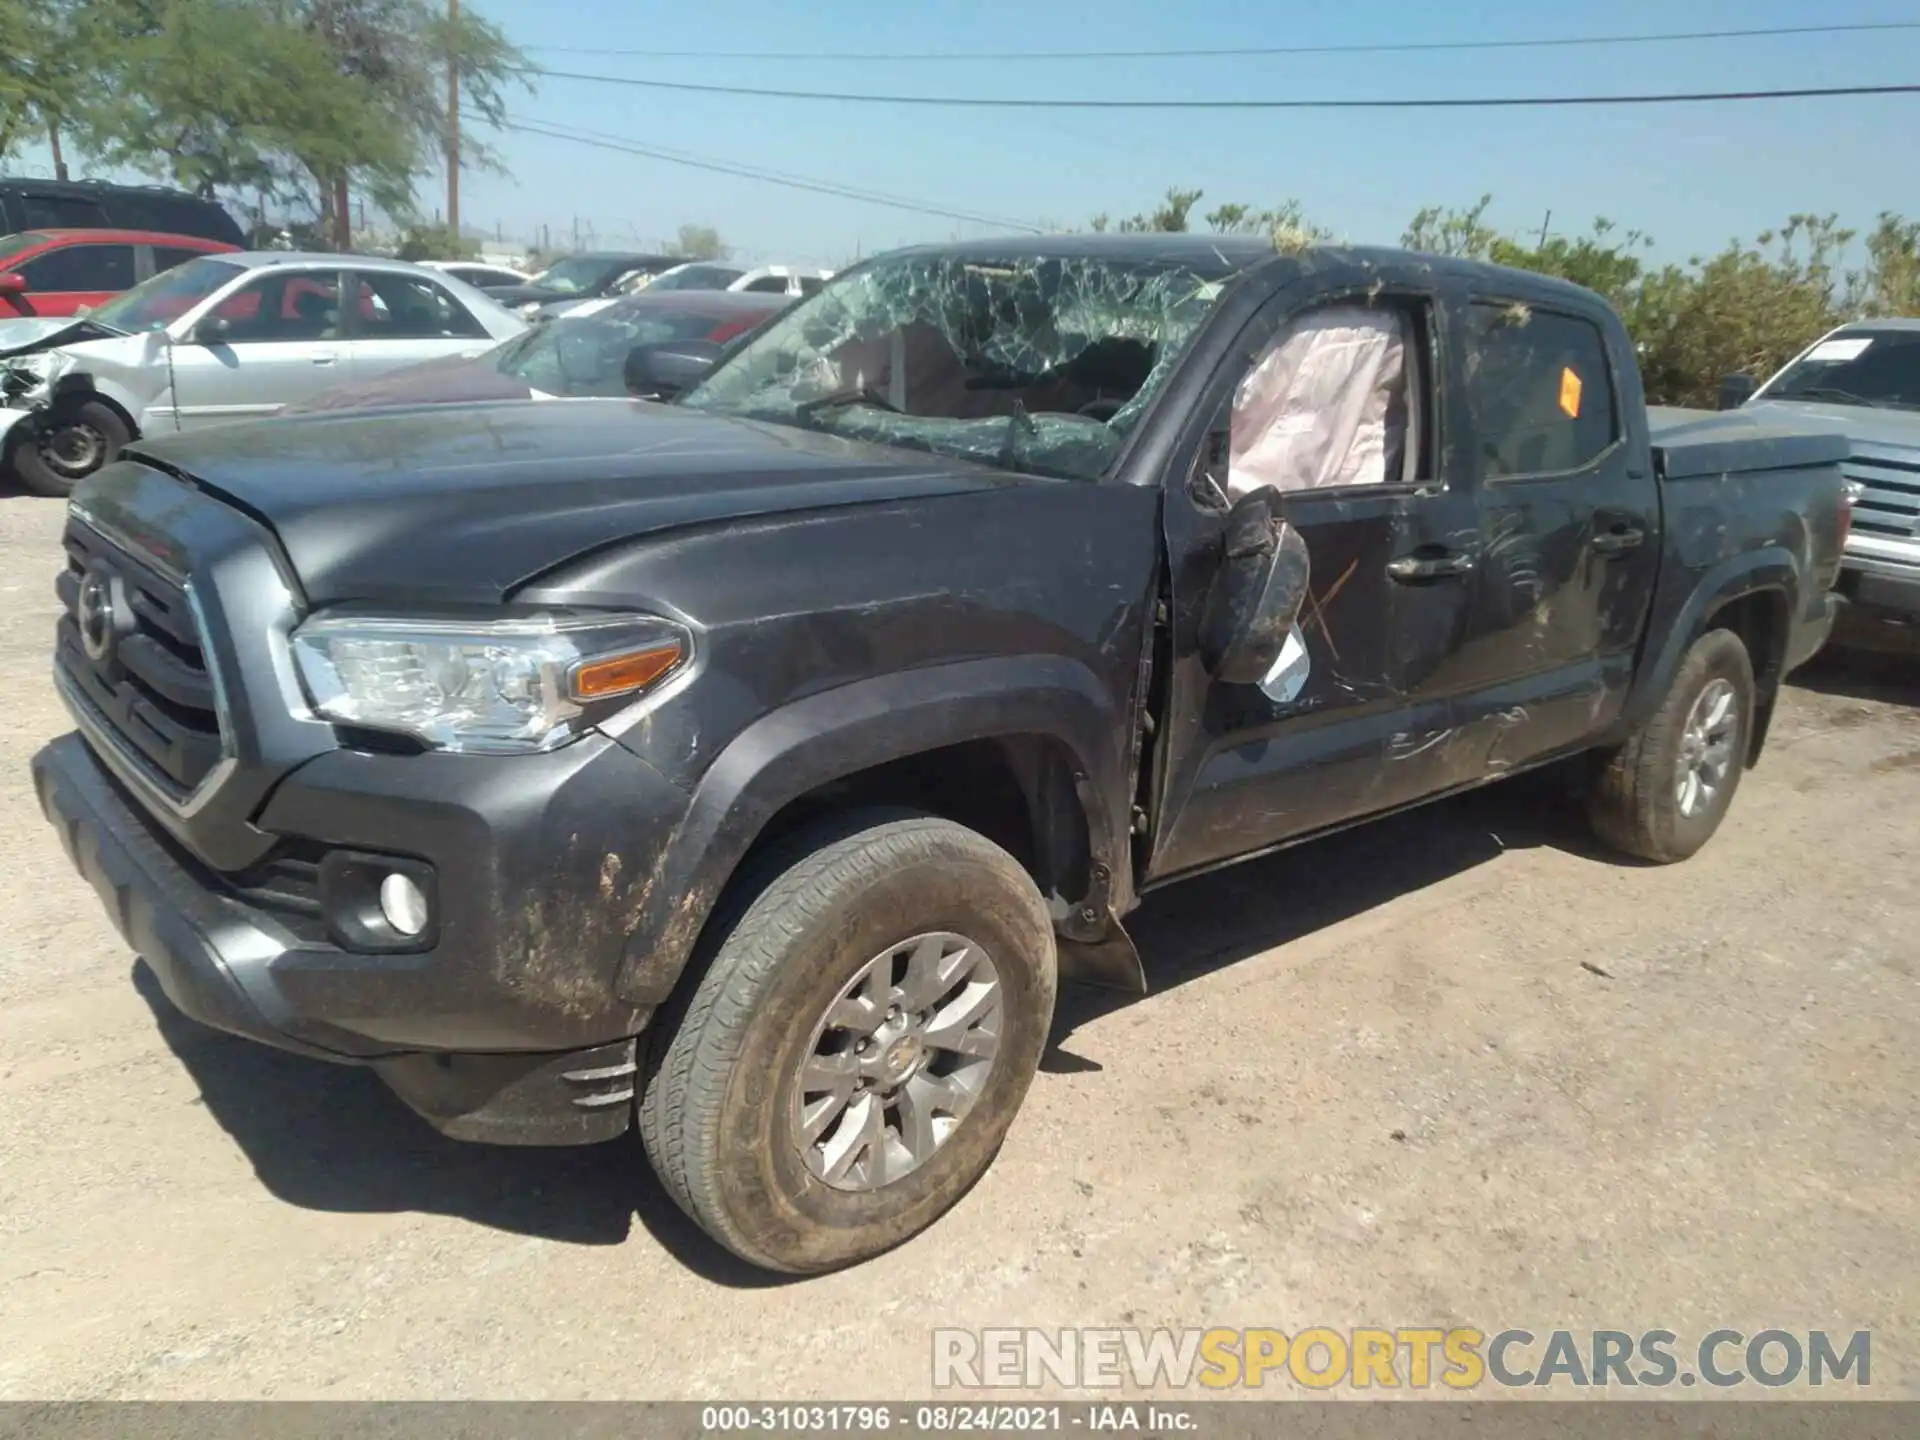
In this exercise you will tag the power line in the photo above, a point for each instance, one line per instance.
(983, 102)
(1224, 52)
(602, 141)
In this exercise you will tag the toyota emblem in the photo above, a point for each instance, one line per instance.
(95, 616)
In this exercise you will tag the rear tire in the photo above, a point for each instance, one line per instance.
(67, 444)
(1663, 793)
(914, 937)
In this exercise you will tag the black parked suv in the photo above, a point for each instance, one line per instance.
(752, 768)
(27, 204)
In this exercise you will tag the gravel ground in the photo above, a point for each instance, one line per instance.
(1455, 1068)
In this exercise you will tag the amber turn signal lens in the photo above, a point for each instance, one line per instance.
(613, 675)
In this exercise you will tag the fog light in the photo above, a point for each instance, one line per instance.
(404, 904)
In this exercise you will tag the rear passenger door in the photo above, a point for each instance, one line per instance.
(64, 281)
(1567, 523)
(396, 320)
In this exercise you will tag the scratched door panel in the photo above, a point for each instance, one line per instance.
(1541, 668)
(1269, 770)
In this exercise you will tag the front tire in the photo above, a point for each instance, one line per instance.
(852, 1057)
(1662, 795)
(69, 443)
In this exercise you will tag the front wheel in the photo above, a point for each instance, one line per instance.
(1661, 795)
(853, 1055)
(68, 443)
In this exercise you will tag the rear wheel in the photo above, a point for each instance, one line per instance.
(1661, 795)
(69, 443)
(852, 1057)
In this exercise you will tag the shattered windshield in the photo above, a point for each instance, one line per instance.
(1036, 364)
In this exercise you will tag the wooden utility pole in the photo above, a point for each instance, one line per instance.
(453, 117)
(53, 144)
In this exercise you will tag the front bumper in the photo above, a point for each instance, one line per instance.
(508, 1029)
(9, 418)
(1882, 602)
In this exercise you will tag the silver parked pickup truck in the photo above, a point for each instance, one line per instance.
(1863, 379)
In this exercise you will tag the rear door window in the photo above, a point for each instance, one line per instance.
(410, 307)
(165, 257)
(107, 268)
(31, 210)
(1539, 390)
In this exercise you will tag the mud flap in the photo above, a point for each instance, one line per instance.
(1109, 964)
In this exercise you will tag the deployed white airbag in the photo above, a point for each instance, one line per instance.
(1325, 406)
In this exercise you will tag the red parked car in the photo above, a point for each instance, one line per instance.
(58, 272)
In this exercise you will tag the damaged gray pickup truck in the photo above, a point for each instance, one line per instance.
(751, 767)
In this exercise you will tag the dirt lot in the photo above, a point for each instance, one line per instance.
(1454, 1068)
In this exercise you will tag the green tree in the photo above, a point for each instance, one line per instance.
(293, 100)
(400, 52)
(220, 94)
(701, 242)
(1890, 284)
(40, 71)
(1742, 310)
(1462, 233)
(435, 242)
(1170, 216)
(1598, 260)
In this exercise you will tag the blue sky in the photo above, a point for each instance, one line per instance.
(1692, 176)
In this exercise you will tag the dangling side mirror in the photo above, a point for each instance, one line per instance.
(1257, 594)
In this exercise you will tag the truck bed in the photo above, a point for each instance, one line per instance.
(1690, 444)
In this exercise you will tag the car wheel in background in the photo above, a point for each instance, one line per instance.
(68, 443)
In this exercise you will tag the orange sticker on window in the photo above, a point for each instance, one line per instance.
(1570, 393)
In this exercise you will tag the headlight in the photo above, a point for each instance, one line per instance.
(505, 685)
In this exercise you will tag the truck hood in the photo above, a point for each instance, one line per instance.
(1864, 424)
(465, 504)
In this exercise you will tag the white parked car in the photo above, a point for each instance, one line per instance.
(224, 338)
(481, 274)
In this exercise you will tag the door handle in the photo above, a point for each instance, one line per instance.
(322, 357)
(1429, 567)
(1620, 538)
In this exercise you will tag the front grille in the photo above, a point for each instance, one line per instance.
(152, 687)
(1891, 504)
